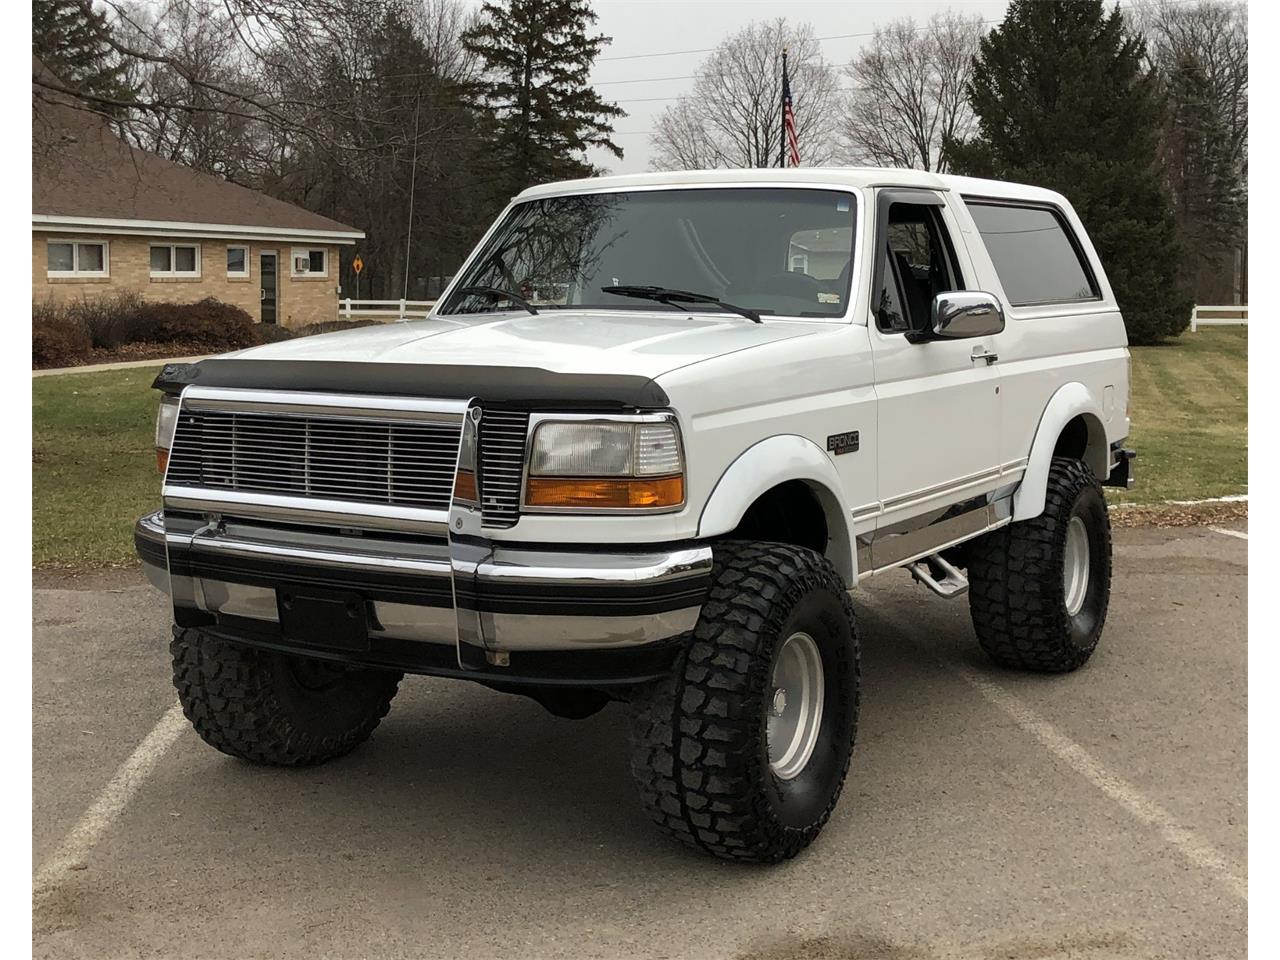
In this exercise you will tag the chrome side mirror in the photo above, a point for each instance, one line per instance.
(958, 314)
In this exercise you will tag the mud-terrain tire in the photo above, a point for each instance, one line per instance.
(1028, 610)
(273, 708)
(701, 741)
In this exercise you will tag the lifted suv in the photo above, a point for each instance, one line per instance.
(642, 449)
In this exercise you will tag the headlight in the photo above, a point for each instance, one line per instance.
(605, 465)
(166, 424)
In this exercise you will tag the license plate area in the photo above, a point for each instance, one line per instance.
(336, 620)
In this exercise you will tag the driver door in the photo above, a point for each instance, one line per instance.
(938, 401)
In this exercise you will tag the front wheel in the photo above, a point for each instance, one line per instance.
(742, 750)
(1039, 589)
(274, 708)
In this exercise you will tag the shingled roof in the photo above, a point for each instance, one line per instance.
(81, 169)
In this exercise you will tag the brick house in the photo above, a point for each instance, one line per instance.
(107, 217)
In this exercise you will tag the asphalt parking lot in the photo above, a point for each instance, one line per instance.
(988, 814)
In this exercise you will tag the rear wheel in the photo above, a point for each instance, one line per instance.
(274, 708)
(742, 751)
(1039, 589)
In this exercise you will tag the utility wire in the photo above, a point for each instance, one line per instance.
(605, 83)
(677, 53)
(838, 36)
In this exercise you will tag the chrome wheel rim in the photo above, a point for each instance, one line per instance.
(1075, 566)
(794, 706)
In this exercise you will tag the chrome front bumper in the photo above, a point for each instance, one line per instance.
(489, 602)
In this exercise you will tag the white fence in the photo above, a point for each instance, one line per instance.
(349, 309)
(1224, 316)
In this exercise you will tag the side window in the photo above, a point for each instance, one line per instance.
(917, 263)
(1034, 252)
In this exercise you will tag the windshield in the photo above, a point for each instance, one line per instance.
(780, 251)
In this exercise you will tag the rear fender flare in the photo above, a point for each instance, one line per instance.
(1070, 401)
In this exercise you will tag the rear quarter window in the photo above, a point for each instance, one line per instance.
(1034, 252)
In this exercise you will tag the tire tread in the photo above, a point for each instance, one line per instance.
(695, 732)
(1015, 581)
(226, 691)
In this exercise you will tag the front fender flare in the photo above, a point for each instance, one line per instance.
(1070, 401)
(764, 466)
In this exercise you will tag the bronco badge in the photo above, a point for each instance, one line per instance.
(846, 442)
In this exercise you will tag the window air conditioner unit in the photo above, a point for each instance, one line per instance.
(301, 264)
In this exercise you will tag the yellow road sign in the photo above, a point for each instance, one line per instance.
(357, 264)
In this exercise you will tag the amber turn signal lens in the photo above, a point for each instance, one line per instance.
(162, 459)
(464, 486)
(641, 494)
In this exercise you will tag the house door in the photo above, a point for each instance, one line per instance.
(268, 292)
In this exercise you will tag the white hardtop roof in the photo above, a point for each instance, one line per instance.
(800, 176)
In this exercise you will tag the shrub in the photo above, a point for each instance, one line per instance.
(210, 323)
(110, 321)
(63, 334)
(57, 340)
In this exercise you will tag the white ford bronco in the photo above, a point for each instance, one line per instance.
(648, 440)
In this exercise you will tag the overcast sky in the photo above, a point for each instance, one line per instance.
(663, 26)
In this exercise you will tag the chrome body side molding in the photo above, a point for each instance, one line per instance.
(900, 544)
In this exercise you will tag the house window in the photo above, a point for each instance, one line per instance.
(310, 263)
(237, 261)
(175, 260)
(78, 258)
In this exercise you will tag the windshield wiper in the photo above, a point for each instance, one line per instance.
(667, 295)
(496, 293)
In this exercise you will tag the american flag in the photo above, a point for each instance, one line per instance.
(790, 142)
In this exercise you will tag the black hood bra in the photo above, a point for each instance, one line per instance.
(520, 387)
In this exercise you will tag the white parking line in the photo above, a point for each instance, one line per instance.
(1127, 796)
(1238, 534)
(110, 803)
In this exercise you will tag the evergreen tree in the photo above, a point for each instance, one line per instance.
(1063, 101)
(538, 55)
(1207, 191)
(70, 40)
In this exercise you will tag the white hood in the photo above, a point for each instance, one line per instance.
(562, 341)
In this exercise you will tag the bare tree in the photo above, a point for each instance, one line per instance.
(183, 49)
(909, 92)
(1216, 36)
(734, 116)
(189, 121)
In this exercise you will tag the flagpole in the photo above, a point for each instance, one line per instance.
(782, 114)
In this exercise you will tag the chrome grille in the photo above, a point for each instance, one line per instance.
(502, 440)
(369, 460)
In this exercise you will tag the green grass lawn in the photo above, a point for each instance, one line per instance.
(93, 463)
(1189, 407)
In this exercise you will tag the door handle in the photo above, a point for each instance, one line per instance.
(981, 353)
(262, 293)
